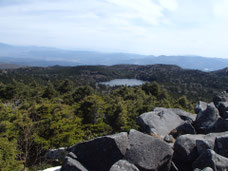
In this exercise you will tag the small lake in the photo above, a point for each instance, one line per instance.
(119, 82)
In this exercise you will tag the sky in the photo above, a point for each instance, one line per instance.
(152, 27)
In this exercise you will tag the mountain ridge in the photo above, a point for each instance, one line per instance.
(45, 56)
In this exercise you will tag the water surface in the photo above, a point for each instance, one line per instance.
(127, 82)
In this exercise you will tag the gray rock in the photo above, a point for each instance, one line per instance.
(186, 116)
(56, 154)
(185, 128)
(148, 152)
(123, 165)
(71, 164)
(221, 145)
(221, 102)
(206, 119)
(101, 153)
(210, 159)
(221, 125)
(185, 147)
(159, 122)
(200, 106)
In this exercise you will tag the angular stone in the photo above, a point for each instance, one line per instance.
(123, 165)
(210, 159)
(71, 164)
(206, 119)
(101, 153)
(185, 147)
(221, 102)
(148, 152)
(159, 122)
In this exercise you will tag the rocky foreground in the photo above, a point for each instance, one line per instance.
(170, 140)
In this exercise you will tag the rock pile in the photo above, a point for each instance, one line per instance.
(123, 151)
(169, 140)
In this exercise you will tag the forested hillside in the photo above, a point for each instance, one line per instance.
(35, 117)
(193, 83)
(45, 108)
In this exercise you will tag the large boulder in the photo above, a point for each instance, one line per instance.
(206, 119)
(148, 152)
(123, 165)
(210, 159)
(159, 122)
(186, 147)
(221, 102)
(71, 164)
(101, 153)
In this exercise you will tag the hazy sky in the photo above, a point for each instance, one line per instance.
(170, 27)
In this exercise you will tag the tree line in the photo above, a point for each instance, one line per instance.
(36, 117)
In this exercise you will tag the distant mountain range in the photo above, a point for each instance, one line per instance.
(43, 56)
(10, 66)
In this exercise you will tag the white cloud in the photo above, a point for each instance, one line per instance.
(146, 10)
(220, 8)
(169, 4)
(142, 26)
